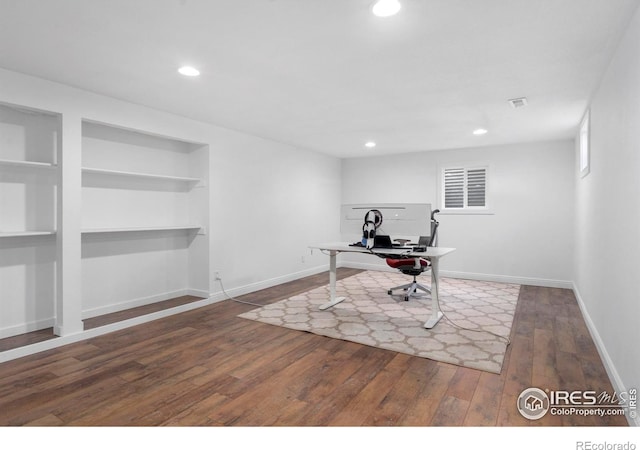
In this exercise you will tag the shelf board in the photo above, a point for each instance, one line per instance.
(35, 164)
(8, 234)
(143, 229)
(4, 234)
(119, 173)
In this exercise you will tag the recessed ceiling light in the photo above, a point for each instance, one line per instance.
(189, 71)
(480, 131)
(370, 144)
(386, 8)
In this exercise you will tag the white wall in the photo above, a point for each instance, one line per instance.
(270, 202)
(607, 233)
(528, 236)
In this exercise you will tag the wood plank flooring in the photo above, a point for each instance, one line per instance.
(209, 367)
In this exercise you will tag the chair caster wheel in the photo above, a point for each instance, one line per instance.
(389, 292)
(406, 298)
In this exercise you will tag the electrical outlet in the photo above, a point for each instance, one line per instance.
(216, 276)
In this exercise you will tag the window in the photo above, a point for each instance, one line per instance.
(584, 145)
(464, 188)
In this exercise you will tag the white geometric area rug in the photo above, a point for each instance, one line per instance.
(371, 317)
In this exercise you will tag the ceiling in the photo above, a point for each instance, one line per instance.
(327, 75)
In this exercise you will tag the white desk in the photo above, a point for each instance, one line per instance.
(433, 253)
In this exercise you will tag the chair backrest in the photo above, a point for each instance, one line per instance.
(433, 241)
(430, 241)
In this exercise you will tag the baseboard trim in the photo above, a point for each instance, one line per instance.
(116, 307)
(563, 284)
(254, 287)
(609, 366)
(26, 328)
(472, 276)
(198, 293)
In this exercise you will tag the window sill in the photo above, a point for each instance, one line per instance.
(467, 212)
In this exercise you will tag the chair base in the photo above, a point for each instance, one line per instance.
(411, 290)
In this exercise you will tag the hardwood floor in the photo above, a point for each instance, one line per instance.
(209, 367)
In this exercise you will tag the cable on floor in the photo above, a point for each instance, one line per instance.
(233, 298)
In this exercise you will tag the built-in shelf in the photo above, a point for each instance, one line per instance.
(136, 213)
(5, 234)
(16, 163)
(119, 173)
(143, 229)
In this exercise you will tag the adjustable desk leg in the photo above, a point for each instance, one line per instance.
(333, 300)
(436, 314)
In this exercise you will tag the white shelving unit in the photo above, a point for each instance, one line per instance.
(144, 212)
(29, 141)
(10, 234)
(19, 187)
(119, 223)
(15, 164)
(151, 176)
(143, 229)
(31, 164)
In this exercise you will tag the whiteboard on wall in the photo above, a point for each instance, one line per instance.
(399, 220)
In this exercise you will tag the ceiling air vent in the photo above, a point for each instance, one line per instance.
(518, 102)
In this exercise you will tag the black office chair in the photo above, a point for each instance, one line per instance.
(414, 266)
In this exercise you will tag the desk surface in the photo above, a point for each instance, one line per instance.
(432, 252)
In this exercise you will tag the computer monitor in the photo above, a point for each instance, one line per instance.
(399, 220)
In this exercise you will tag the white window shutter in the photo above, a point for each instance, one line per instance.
(454, 188)
(465, 188)
(476, 187)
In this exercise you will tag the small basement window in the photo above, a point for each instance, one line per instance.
(464, 188)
